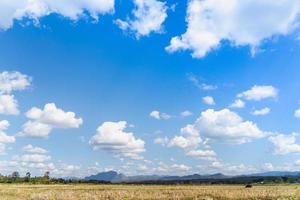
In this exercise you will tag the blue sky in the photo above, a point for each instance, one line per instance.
(147, 87)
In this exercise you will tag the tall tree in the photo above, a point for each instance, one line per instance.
(47, 174)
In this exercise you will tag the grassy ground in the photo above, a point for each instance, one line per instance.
(130, 192)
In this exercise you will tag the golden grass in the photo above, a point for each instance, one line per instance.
(132, 192)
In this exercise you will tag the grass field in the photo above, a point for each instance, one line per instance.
(128, 192)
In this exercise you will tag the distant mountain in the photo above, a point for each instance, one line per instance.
(195, 177)
(277, 173)
(110, 176)
(114, 177)
(142, 178)
(217, 176)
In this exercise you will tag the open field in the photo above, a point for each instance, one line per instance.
(122, 192)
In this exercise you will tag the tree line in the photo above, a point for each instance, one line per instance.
(46, 179)
(15, 177)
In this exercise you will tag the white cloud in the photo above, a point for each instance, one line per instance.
(297, 163)
(208, 100)
(148, 17)
(229, 169)
(155, 114)
(2, 148)
(268, 167)
(180, 168)
(35, 129)
(112, 138)
(32, 158)
(201, 86)
(54, 117)
(165, 116)
(162, 141)
(186, 113)
(210, 22)
(285, 144)
(297, 113)
(226, 126)
(34, 9)
(40, 166)
(9, 82)
(257, 93)
(158, 115)
(43, 121)
(202, 154)
(263, 111)
(237, 104)
(34, 150)
(13, 81)
(190, 138)
(158, 167)
(8, 105)
(4, 138)
(164, 169)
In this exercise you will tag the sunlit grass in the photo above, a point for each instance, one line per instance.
(131, 192)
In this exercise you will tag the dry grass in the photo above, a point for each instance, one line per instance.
(132, 192)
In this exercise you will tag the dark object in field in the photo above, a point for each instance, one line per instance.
(248, 186)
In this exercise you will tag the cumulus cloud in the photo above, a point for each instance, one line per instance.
(297, 113)
(38, 165)
(180, 168)
(210, 22)
(202, 154)
(155, 114)
(148, 17)
(34, 150)
(54, 117)
(238, 104)
(158, 115)
(2, 149)
(43, 121)
(4, 138)
(32, 158)
(42, 167)
(285, 144)
(9, 82)
(13, 81)
(161, 140)
(226, 126)
(208, 100)
(190, 141)
(159, 168)
(8, 105)
(111, 137)
(263, 111)
(259, 92)
(186, 113)
(35, 129)
(35, 9)
(66, 169)
(231, 169)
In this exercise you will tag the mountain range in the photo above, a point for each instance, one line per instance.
(115, 177)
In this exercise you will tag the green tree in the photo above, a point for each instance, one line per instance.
(27, 177)
(15, 175)
(47, 174)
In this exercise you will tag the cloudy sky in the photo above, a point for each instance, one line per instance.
(149, 86)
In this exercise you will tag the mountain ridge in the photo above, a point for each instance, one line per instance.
(114, 177)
